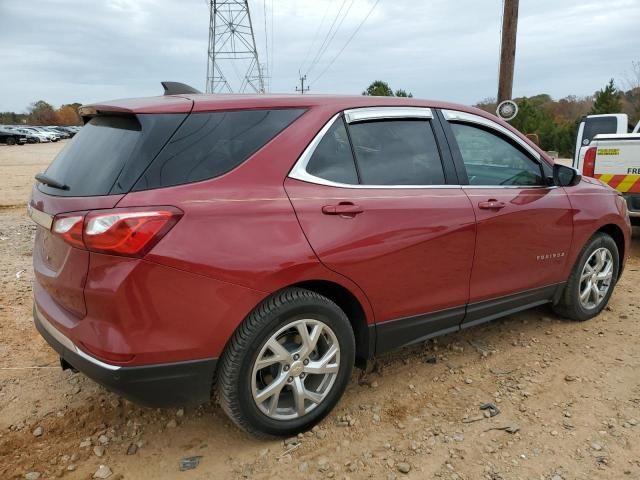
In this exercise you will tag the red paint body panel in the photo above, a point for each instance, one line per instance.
(253, 231)
(409, 244)
(522, 246)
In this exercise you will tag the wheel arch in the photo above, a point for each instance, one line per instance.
(363, 331)
(615, 232)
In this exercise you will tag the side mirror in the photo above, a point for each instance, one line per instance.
(564, 176)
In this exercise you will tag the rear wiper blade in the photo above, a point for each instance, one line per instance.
(42, 178)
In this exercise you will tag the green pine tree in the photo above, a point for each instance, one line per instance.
(607, 100)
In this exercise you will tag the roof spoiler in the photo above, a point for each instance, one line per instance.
(177, 88)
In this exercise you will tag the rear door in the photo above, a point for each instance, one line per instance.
(524, 226)
(376, 196)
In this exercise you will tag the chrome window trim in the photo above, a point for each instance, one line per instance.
(455, 115)
(299, 170)
(43, 219)
(384, 113)
(521, 187)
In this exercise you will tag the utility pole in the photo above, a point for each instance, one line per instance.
(508, 50)
(232, 49)
(302, 89)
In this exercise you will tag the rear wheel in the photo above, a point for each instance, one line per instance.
(11, 141)
(592, 280)
(287, 365)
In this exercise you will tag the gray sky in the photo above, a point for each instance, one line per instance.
(63, 51)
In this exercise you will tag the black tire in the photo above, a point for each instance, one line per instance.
(234, 376)
(11, 141)
(569, 305)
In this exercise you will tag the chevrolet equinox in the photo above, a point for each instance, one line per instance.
(256, 248)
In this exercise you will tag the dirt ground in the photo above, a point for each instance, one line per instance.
(568, 392)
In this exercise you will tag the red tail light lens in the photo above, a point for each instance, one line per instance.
(589, 163)
(128, 232)
(70, 229)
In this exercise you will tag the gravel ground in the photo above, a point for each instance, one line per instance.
(568, 397)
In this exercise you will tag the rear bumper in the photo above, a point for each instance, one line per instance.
(165, 385)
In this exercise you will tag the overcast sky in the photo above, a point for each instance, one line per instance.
(63, 51)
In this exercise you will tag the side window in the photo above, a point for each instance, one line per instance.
(332, 158)
(491, 160)
(397, 152)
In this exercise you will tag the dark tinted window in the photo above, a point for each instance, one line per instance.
(597, 125)
(332, 158)
(209, 144)
(397, 152)
(492, 160)
(109, 153)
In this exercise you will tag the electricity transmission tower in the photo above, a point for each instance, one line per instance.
(233, 56)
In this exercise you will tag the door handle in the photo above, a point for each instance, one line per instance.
(491, 204)
(343, 208)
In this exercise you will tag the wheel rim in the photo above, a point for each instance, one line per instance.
(295, 369)
(596, 277)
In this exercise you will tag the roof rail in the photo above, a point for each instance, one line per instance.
(177, 88)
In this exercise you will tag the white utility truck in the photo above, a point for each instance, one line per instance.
(606, 151)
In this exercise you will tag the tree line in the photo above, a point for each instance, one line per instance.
(555, 122)
(42, 113)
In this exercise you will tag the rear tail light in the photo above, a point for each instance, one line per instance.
(127, 232)
(589, 164)
(70, 229)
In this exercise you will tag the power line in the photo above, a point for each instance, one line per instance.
(346, 13)
(315, 36)
(348, 41)
(335, 19)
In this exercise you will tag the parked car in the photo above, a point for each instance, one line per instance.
(11, 137)
(29, 137)
(592, 125)
(41, 136)
(263, 245)
(612, 156)
(59, 132)
(54, 137)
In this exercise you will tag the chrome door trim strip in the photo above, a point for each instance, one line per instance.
(379, 113)
(453, 115)
(43, 219)
(299, 170)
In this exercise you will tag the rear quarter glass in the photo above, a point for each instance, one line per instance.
(210, 144)
(110, 153)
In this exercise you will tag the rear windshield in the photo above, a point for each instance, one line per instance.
(117, 154)
(597, 125)
(110, 153)
(210, 144)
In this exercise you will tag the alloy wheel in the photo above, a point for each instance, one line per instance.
(596, 277)
(295, 369)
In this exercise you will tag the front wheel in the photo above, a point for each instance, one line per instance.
(11, 141)
(287, 364)
(592, 280)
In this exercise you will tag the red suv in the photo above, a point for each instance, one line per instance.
(257, 247)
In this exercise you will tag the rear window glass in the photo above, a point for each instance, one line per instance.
(597, 125)
(397, 152)
(210, 144)
(333, 159)
(110, 153)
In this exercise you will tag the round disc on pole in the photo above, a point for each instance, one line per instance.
(507, 110)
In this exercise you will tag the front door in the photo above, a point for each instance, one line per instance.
(524, 226)
(373, 198)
